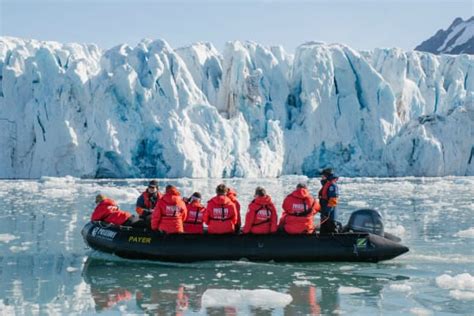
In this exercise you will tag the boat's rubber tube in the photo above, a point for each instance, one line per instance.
(141, 244)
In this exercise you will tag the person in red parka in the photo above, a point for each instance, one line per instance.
(169, 212)
(232, 195)
(193, 224)
(261, 216)
(108, 211)
(220, 214)
(299, 209)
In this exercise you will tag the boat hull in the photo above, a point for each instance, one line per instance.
(146, 245)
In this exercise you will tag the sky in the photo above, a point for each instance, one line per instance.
(360, 24)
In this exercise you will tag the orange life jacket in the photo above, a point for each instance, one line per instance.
(147, 203)
(261, 217)
(298, 210)
(323, 193)
(220, 215)
(169, 213)
(193, 223)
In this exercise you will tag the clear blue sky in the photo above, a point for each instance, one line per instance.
(359, 24)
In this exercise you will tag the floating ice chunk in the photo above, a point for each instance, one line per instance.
(19, 248)
(162, 275)
(468, 233)
(396, 230)
(148, 276)
(169, 291)
(400, 287)
(463, 281)
(241, 298)
(420, 311)
(462, 295)
(57, 181)
(438, 258)
(350, 290)
(358, 204)
(121, 194)
(302, 282)
(6, 238)
(71, 269)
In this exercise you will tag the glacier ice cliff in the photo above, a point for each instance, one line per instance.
(252, 111)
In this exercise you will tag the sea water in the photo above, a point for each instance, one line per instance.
(45, 267)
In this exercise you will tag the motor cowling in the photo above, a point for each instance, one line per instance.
(367, 221)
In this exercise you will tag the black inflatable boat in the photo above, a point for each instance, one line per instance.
(355, 244)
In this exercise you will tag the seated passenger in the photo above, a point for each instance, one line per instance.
(299, 208)
(108, 211)
(169, 213)
(193, 224)
(146, 202)
(232, 195)
(261, 216)
(220, 214)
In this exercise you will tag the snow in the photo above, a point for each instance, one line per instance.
(242, 298)
(468, 233)
(464, 32)
(151, 110)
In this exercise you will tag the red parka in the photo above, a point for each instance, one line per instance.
(299, 209)
(232, 195)
(261, 216)
(169, 213)
(108, 211)
(193, 224)
(220, 215)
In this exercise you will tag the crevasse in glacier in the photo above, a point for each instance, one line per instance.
(252, 111)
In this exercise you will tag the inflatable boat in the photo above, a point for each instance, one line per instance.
(362, 240)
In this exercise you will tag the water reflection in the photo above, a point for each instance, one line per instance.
(236, 288)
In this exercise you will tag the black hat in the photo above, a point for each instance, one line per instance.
(197, 195)
(326, 172)
(153, 183)
(301, 186)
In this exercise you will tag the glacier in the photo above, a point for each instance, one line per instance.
(250, 111)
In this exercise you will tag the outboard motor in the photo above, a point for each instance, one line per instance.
(366, 221)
